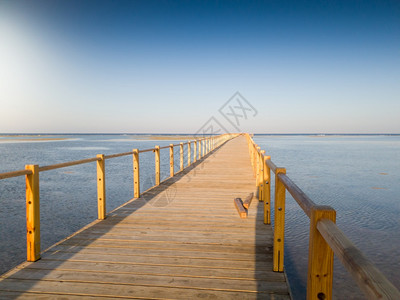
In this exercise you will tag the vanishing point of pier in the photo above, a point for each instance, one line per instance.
(200, 234)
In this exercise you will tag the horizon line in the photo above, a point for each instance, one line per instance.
(146, 133)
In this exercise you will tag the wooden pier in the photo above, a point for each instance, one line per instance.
(182, 239)
(197, 235)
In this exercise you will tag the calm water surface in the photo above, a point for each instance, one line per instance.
(359, 176)
(68, 196)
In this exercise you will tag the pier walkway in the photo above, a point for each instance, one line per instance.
(182, 239)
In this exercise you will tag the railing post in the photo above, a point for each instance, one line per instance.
(261, 189)
(101, 188)
(32, 214)
(253, 163)
(181, 155)
(251, 154)
(171, 160)
(157, 163)
(255, 160)
(189, 153)
(258, 175)
(136, 173)
(320, 256)
(279, 228)
(267, 191)
(194, 151)
(199, 147)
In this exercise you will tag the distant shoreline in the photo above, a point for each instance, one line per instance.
(166, 136)
(59, 137)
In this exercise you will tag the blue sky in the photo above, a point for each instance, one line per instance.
(169, 66)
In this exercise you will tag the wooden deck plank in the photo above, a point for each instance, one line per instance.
(152, 269)
(129, 291)
(175, 242)
(166, 280)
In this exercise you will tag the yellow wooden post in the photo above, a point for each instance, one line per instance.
(171, 160)
(255, 160)
(256, 165)
(251, 155)
(157, 163)
(189, 153)
(259, 175)
(136, 173)
(279, 228)
(181, 155)
(32, 214)
(267, 191)
(320, 256)
(261, 189)
(194, 151)
(101, 188)
(199, 146)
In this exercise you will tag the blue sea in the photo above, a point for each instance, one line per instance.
(358, 175)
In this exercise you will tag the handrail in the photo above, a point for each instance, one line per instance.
(68, 164)
(31, 172)
(146, 150)
(117, 155)
(271, 165)
(15, 174)
(373, 283)
(301, 198)
(324, 240)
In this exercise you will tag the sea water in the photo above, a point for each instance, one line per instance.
(359, 176)
(68, 196)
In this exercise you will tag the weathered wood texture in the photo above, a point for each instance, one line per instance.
(240, 209)
(247, 201)
(182, 239)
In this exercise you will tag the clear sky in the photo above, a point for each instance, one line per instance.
(169, 66)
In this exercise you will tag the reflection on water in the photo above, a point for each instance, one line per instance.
(359, 177)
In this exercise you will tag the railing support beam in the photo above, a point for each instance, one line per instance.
(32, 213)
(194, 151)
(157, 164)
(279, 228)
(136, 173)
(260, 182)
(181, 155)
(189, 153)
(320, 256)
(171, 160)
(101, 187)
(199, 147)
(267, 191)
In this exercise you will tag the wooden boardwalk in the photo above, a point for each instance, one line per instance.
(181, 240)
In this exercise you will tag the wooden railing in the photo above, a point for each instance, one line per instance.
(325, 238)
(202, 147)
